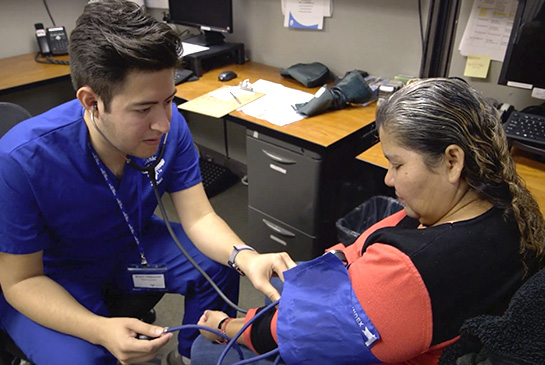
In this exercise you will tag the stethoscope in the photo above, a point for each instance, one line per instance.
(149, 170)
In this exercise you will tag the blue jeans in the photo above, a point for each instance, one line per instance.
(204, 352)
(45, 346)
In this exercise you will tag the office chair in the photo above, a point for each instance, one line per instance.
(516, 338)
(119, 305)
(10, 115)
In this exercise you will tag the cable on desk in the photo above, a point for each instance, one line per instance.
(49, 60)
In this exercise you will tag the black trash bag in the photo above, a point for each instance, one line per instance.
(308, 74)
(351, 89)
(352, 225)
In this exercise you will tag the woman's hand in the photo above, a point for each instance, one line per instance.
(211, 319)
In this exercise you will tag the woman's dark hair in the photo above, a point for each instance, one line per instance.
(428, 115)
(115, 37)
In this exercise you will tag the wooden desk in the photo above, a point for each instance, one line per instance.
(22, 70)
(37, 87)
(532, 171)
(295, 171)
(322, 131)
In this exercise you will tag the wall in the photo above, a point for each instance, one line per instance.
(381, 37)
(17, 18)
(378, 36)
(519, 98)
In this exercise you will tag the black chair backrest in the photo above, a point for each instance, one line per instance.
(10, 115)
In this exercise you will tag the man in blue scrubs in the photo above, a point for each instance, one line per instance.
(77, 204)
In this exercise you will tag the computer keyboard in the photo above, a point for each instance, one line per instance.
(182, 75)
(527, 131)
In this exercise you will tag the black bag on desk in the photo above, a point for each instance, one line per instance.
(308, 74)
(351, 89)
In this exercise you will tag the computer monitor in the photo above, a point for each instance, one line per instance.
(212, 17)
(525, 56)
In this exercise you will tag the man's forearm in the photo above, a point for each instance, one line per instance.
(214, 238)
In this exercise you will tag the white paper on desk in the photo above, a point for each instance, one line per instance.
(489, 28)
(190, 48)
(306, 14)
(276, 105)
(228, 93)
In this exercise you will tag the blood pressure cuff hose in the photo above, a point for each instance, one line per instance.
(320, 320)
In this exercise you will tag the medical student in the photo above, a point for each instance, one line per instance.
(77, 204)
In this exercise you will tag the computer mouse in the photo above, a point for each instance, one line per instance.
(227, 75)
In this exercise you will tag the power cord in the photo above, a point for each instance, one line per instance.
(49, 13)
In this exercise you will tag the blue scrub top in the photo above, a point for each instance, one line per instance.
(54, 198)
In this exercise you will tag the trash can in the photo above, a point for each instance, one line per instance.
(364, 216)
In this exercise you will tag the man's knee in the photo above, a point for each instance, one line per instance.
(68, 352)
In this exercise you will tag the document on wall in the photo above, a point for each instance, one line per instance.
(489, 28)
(306, 14)
(276, 105)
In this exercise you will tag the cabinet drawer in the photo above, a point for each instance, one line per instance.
(270, 235)
(284, 184)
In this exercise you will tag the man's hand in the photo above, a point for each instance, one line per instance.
(260, 268)
(120, 338)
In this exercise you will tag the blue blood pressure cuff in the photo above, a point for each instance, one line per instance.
(320, 320)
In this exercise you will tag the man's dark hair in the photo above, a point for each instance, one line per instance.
(115, 37)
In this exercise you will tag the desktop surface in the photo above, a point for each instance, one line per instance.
(530, 169)
(323, 130)
(23, 70)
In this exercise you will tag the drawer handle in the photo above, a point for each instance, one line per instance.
(278, 229)
(277, 158)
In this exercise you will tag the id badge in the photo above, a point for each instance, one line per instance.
(148, 278)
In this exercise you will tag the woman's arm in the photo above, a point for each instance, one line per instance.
(229, 326)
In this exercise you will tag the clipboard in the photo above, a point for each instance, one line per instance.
(220, 102)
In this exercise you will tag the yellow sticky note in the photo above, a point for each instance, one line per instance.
(477, 66)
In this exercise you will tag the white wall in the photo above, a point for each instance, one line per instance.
(17, 18)
(378, 36)
(519, 98)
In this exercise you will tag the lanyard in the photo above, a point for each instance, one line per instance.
(102, 168)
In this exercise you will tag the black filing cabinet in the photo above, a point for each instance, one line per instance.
(292, 194)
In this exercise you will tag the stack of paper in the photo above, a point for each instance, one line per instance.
(276, 105)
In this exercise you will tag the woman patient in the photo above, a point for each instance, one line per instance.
(469, 235)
